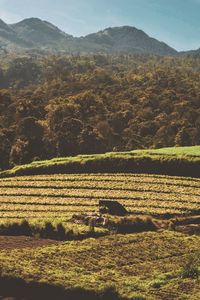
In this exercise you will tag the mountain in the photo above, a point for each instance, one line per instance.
(129, 40)
(40, 33)
(191, 52)
(9, 38)
(34, 33)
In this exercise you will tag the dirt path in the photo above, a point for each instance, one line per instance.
(19, 242)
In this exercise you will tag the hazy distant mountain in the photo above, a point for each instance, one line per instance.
(9, 38)
(38, 34)
(130, 40)
(191, 52)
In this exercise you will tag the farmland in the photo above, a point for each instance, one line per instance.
(60, 196)
(143, 266)
(147, 265)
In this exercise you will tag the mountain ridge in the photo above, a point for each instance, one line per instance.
(119, 37)
(34, 33)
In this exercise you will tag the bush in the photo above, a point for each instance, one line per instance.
(60, 232)
(133, 224)
(48, 231)
(191, 269)
(16, 229)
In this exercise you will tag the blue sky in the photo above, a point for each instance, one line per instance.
(177, 22)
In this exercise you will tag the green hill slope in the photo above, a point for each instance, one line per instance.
(180, 161)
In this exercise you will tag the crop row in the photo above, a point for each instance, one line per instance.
(87, 205)
(124, 178)
(76, 200)
(104, 186)
(98, 194)
(68, 214)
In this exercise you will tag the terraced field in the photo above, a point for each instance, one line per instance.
(60, 196)
(147, 265)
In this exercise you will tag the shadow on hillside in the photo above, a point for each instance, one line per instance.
(18, 288)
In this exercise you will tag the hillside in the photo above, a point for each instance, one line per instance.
(9, 38)
(192, 52)
(169, 161)
(128, 39)
(110, 103)
(104, 269)
(46, 252)
(39, 34)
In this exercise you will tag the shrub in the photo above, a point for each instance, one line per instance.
(15, 229)
(60, 232)
(133, 224)
(48, 231)
(191, 270)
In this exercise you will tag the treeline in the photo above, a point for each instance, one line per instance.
(52, 106)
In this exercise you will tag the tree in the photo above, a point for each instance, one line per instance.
(22, 72)
(67, 138)
(29, 144)
(91, 141)
(183, 138)
(2, 79)
(4, 151)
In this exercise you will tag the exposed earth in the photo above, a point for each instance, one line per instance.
(19, 242)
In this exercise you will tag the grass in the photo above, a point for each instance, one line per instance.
(146, 264)
(188, 152)
(183, 161)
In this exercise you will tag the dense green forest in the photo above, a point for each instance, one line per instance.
(60, 105)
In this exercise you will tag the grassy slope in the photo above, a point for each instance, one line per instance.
(170, 161)
(193, 151)
(132, 264)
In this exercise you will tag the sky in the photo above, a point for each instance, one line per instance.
(176, 22)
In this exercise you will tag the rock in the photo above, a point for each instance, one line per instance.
(112, 207)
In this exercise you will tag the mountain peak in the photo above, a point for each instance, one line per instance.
(39, 32)
(4, 26)
(129, 39)
(30, 21)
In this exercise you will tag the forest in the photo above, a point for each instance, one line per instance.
(64, 105)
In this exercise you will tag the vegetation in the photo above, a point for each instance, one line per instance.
(183, 161)
(191, 268)
(62, 105)
(130, 264)
(92, 113)
(48, 231)
(119, 265)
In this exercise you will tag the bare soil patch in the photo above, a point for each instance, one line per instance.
(19, 242)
